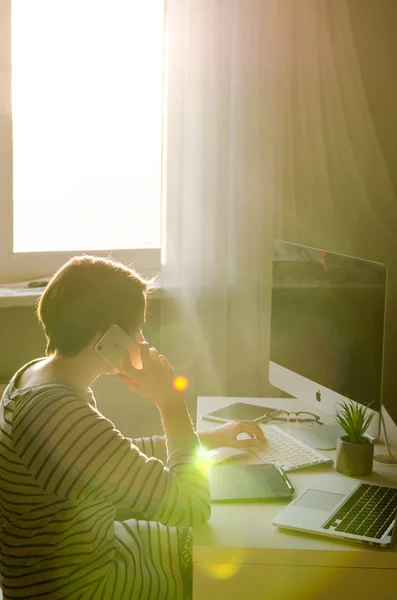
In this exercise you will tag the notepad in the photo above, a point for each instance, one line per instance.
(248, 483)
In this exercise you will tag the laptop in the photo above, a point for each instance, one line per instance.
(344, 508)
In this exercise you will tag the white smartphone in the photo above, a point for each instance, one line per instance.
(114, 343)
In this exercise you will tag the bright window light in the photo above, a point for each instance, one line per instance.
(87, 121)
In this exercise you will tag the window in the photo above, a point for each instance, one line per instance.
(83, 147)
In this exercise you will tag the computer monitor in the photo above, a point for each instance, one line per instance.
(327, 332)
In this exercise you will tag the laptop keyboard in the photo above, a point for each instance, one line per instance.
(285, 451)
(369, 512)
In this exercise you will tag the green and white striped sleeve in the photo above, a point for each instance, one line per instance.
(73, 451)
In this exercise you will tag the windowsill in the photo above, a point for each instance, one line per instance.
(29, 297)
(20, 299)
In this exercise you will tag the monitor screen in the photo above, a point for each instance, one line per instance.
(327, 326)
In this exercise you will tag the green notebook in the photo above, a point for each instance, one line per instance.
(248, 483)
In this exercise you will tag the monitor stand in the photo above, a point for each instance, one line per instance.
(320, 437)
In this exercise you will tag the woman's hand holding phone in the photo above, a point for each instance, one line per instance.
(154, 381)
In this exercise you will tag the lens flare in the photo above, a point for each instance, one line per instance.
(233, 560)
(180, 383)
(203, 460)
(222, 571)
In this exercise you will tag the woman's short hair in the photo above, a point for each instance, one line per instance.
(85, 297)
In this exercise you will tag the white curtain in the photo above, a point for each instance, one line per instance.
(268, 134)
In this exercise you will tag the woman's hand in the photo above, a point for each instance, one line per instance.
(154, 381)
(226, 435)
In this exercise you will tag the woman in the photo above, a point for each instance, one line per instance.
(66, 470)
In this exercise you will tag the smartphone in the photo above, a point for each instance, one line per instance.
(240, 411)
(114, 343)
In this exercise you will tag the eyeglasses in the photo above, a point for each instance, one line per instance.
(296, 417)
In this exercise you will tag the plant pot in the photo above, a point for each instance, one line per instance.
(354, 459)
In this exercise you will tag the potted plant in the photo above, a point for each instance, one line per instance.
(354, 450)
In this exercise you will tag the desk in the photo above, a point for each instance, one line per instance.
(240, 555)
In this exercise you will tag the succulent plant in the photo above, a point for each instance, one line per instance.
(354, 419)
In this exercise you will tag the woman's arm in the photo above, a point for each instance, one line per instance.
(73, 451)
(153, 447)
(228, 435)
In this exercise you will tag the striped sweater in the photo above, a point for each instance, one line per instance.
(64, 470)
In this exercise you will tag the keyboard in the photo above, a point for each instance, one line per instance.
(285, 451)
(369, 511)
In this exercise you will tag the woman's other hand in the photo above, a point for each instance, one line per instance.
(230, 435)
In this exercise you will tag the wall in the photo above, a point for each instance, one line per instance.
(22, 340)
(374, 26)
(345, 170)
